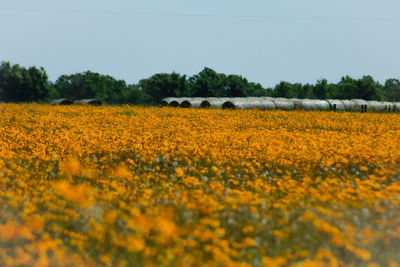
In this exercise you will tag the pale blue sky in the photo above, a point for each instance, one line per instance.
(265, 41)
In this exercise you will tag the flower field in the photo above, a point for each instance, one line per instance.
(133, 186)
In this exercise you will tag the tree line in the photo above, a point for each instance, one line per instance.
(21, 84)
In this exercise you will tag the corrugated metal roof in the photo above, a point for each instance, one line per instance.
(194, 102)
(336, 105)
(62, 101)
(91, 102)
(284, 103)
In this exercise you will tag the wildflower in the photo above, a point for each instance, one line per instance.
(179, 172)
(77, 194)
(135, 244)
(248, 229)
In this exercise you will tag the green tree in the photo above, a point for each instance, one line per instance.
(256, 89)
(163, 85)
(209, 83)
(365, 88)
(92, 85)
(136, 96)
(320, 90)
(18, 84)
(288, 90)
(368, 89)
(237, 86)
(347, 88)
(392, 90)
(305, 91)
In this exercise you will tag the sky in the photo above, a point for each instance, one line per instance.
(266, 41)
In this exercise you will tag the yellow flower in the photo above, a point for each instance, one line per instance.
(9, 231)
(248, 229)
(122, 172)
(105, 259)
(36, 223)
(273, 262)
(187, 187)
(71, 167)
(77, 194)
(179, 172)
(248, 241)
(135, 244)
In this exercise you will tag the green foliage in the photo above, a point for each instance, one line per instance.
(208, 83)
(238, 86)
(365, 88)
(163, 85)
(94, 85)
(19, 84)
(321, 89)
(391, 89)
(288, 90)
(348, 88)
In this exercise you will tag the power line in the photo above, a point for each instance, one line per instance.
(170, 14)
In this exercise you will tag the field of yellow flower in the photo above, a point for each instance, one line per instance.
(133, 186)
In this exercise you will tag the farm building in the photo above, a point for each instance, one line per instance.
(355, 105)
(396, 107)
(349, 105)
(263, 103)
(377, 106)
(361, 104)
(336, 105)
(283, 103)
(235, 103)
(214, 102)
(165, 102)
(241, 103)
(62, 101)
(390, 106)
(266, 104)
(270, 103)
(194, 102)
(91, 102)
(305, 104)
(176, 102)
(266, 98)
(322, 105)
(249, 103)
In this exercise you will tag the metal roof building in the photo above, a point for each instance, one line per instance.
(62, 101)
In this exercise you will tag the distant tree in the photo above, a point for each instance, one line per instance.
(305, 91)
(365, 88)
(18, 84)
(163, 85)
(237, 86)
(92, 85)
(391, 90)
(321, 89)
(347, 88)
(288, 90)
(136, 96)
(333, 91)
(256, 89)
(368, 89)
(37, 80)
(209, 83)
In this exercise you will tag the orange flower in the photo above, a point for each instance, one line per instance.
(179, 172)
(77, 194)
(136, 244)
